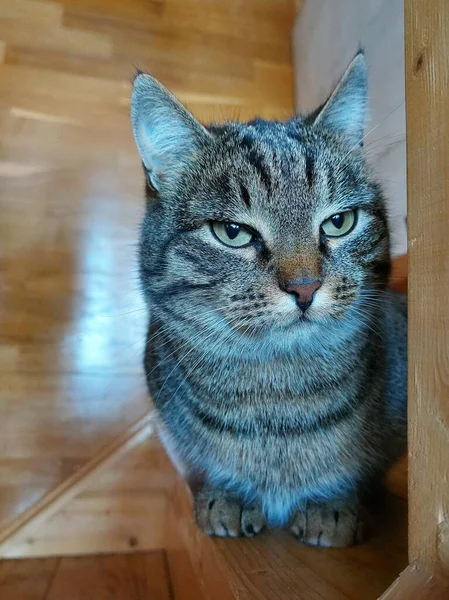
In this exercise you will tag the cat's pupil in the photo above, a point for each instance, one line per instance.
(232, 230)
(338, 220)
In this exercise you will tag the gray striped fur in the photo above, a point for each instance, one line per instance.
(267, 407)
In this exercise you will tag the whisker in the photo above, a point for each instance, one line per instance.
(179, 361)
(357, 144)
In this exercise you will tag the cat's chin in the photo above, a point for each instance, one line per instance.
(303, 322)
(299, 325)
(306, 320)
(311, 325)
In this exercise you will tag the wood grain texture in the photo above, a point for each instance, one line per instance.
(60, 496)
(141, 576)
(27, 579)
(72, 323)
(416, 583)
(116, 504)
(121, 577)
(187, 583)
(399, 274)
(427, 92)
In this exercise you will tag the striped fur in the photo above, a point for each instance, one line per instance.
(266, 406)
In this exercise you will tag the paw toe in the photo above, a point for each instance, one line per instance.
(327, 527)
(224, 516)
(252, 520)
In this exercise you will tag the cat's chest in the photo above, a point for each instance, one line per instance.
(201, 397)
(271, 423)
(241, 383)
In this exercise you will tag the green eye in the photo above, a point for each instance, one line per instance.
(339, 224)
(232, 234)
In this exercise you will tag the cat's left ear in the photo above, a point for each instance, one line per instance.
(345, 110)
(166, 134)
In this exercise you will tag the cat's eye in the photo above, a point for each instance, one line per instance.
(232, 234)
(339, 224)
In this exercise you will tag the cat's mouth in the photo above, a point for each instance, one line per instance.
(298, 319)
(291, 316)
(304, 321)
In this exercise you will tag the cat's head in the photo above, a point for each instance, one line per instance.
(264, 226)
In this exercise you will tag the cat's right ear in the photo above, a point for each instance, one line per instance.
(166, 134)
(344, 112)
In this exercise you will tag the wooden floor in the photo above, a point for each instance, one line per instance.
(71, 197)
(140, 576)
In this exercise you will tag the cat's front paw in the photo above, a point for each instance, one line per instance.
(222, 515)
(329, 525)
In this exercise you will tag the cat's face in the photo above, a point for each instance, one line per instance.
(264, 227)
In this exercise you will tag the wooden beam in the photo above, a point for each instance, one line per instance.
(417, 583)
(427, 102)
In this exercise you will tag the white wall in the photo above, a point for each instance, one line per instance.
(327, 35)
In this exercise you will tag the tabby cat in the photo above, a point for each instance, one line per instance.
(276, 356)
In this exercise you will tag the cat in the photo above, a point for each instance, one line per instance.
(276, 356)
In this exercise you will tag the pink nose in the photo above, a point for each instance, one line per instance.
(304, 289)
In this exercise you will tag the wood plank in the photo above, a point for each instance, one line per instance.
(27, 580)
(185, 582)
(399, 274)
(427, 93)
(71, 41)
(28, 521)
(33, 11)
(397, 478)
(122, 577)
(416, 583)
(121, 508)
(141, 576)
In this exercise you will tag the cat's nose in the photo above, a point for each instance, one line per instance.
(304, 290)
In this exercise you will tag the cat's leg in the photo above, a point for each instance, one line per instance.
(221, 514)
(332, 524)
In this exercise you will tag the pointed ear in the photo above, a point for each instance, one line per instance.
(345, 110)
(166, 134)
